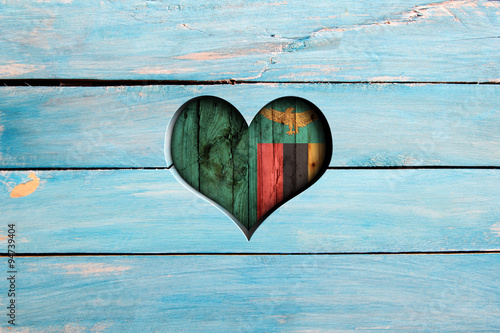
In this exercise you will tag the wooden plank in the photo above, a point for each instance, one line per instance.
(445, 293)
(185, 136)
(397, 40)
(316, 158)
(372, 125)
(345, 211)
(269, 177)
(295, 166)
(208, 132)
(239, 151)
(215, 147)
(253, 132)
(282, 153)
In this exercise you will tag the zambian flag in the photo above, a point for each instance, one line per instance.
(289, 146)
(249, 171)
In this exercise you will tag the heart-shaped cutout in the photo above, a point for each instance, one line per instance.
(248, 171)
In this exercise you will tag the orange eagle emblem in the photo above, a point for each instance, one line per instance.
(290, 119)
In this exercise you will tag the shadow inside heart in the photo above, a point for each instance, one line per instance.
(248, 171)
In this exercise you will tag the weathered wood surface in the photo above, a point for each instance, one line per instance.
(372, 125)
(395, 40)
(209, 150)
(439, 293)
(141, 211)
(346, 211)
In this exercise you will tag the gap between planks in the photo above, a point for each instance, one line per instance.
(108, 83)
(410, 167)
(89, 254)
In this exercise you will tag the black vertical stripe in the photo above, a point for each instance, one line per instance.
(289, 170)
(302, 166)
(294, 168)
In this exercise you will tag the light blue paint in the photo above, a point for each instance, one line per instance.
(442, 293)
(372, 125)
(345, 211)
(394, 40)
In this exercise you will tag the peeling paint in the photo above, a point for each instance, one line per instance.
(54, 1)
(15, 69)
(332, 36)
(265, 48)
(162, 70)
(390, 78)
(491, 4)
(258, 76)
(495, 229)
(423, 12)
(207, 56)
(188, 27)
(27, 188)
(100, 327)
(92, 269)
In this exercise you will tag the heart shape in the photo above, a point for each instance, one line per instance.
(248, 171)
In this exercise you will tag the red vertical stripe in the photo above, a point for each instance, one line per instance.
(269, 176)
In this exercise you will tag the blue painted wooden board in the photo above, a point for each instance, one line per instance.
(367, 40)
(141, 211)
(372, 125)
(439, 293)
(345, 211)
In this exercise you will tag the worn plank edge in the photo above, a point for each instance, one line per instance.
(174, 254)
(389, 167)
(105, 83)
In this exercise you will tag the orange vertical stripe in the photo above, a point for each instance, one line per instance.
(315, 158)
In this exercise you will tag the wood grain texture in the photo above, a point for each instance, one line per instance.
(346, 211)
(211, 134)
(217, 140)
(395, 40)
(315, 159)
(260, 293)
(372, 125)
(185, 137)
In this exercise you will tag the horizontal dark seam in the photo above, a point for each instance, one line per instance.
(84, 168)
(89, 254)
(107, 83)
(416, 167)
